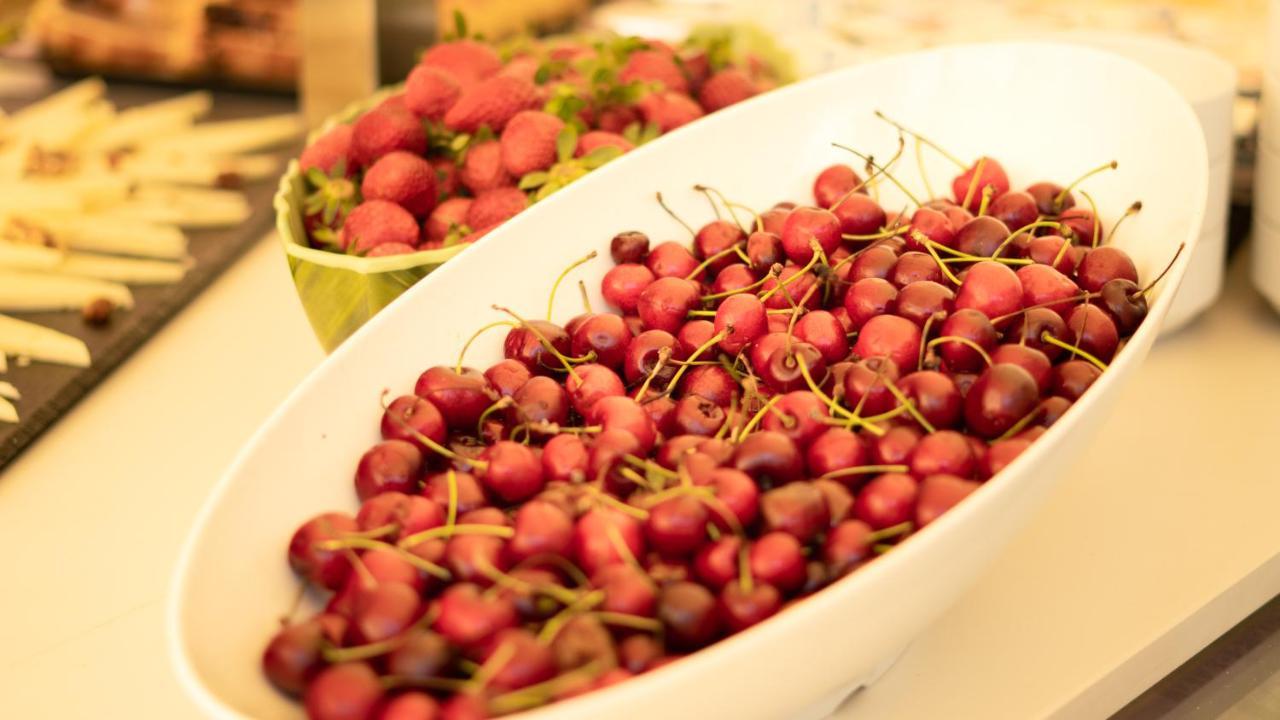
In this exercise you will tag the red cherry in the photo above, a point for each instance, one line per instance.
(804, 226)
(887, 500)
(940, 493)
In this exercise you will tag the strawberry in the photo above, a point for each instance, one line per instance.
(725, 88)
(697, 66)
(385, 130)
(599, 138)
(529, 142)
(616, 118)
(669, 110)
(495, 206)
(449, 214)
(430, 92)
(467, 60)
(393, 248)
(524, 67)
(328, 150)
(402, 178)
(654, 66)
(393, 102)
(376, 222)
(482, 169)
(446, 177)
(491, 102)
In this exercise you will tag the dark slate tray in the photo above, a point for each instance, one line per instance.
(49, 391)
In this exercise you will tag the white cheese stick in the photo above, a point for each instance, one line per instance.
(68, 101)
(9, 392)
(230, 137)
(120, 269)
(183, 169)
(24, 256)
(8, 413)
(139, 124)
(116, 235)
(21, 338)
(26, 291)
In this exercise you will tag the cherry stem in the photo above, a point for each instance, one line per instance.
(376, 533)
(580, 578)
(504, 654)
(353, 653)
(1097, 222)
(973, 181)
(710, 200)
(893, 531)
(563, 595)
(428, 442)
(546, 344)
(1022, 423)
(555, 286)
(392, 682)
(928, 245)
(501, 404)
(1075, 349)
(1167, 268)
(616, 504)
(620, 545)
(1134, 209)
(649, 466)
(921, 138)
(637, 478)
(924, 176)
(963, 341)
(773, 273)
(745, 581)
(886, 233)
(1061, 196)
(783, 283)
(831, 402)
(635, 622)
(467, 345)
(586, 299)
(1062, 251)
(711, 342)
(674, 216)
(730, 206)
(870, 178)
(924, 335)
(1048, 303)
(988, 192)
(909, 405)
(532, 696)
(358, 543)
(1025, 228)
(582, 604)
(702, 266)
(451, 512)
(447, 531)
(864, 470)
(755, 419)
(882, 171)
(664, 355)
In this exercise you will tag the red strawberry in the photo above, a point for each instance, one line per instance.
(402, 178)
(447, 214)
(467, 60)
(391, 249)
(491, 102)
(386, 130)
(669, 110)
(393, 102)
(446, 177)
(654, 66)
(616, 118)
(328, 150)
(529, 142)
(569, 52)
(430, 92)
(376, 222)
(524, 67)
(599, 138)
(495, 206)
(697, 66)
(482, 169)
(725, 88)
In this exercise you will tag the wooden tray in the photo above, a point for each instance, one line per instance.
(49, 391)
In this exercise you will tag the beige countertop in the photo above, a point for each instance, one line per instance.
(1163, 536)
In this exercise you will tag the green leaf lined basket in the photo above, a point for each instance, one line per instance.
(341, 292)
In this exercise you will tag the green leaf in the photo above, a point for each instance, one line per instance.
(316, 177)
(459, 24)
(632, 132)
(459, 142)
(600, 156)
(533, 180)
(566, 143)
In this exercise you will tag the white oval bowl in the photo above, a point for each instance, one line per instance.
(1046, 111)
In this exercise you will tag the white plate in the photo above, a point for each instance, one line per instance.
(232, 581)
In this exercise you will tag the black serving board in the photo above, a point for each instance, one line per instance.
(49, 391)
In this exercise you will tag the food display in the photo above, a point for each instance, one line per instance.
(95, 200)
(768, 405)
(476, 134)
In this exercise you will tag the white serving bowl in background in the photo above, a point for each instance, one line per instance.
(232, 582)
(1269, 110)
(1265, 260)
(1266, 183)
(1209, 84)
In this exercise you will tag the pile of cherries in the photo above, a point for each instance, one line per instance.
(774, 406)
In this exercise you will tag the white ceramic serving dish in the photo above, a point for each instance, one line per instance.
(232, 582)
(1265, 260)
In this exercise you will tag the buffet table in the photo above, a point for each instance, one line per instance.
(1163, 537)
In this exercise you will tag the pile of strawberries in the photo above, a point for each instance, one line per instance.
(772, 406)
(475, 138)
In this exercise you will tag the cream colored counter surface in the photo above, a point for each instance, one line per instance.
(1165, 535)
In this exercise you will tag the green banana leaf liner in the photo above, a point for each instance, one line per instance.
(341, 292)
